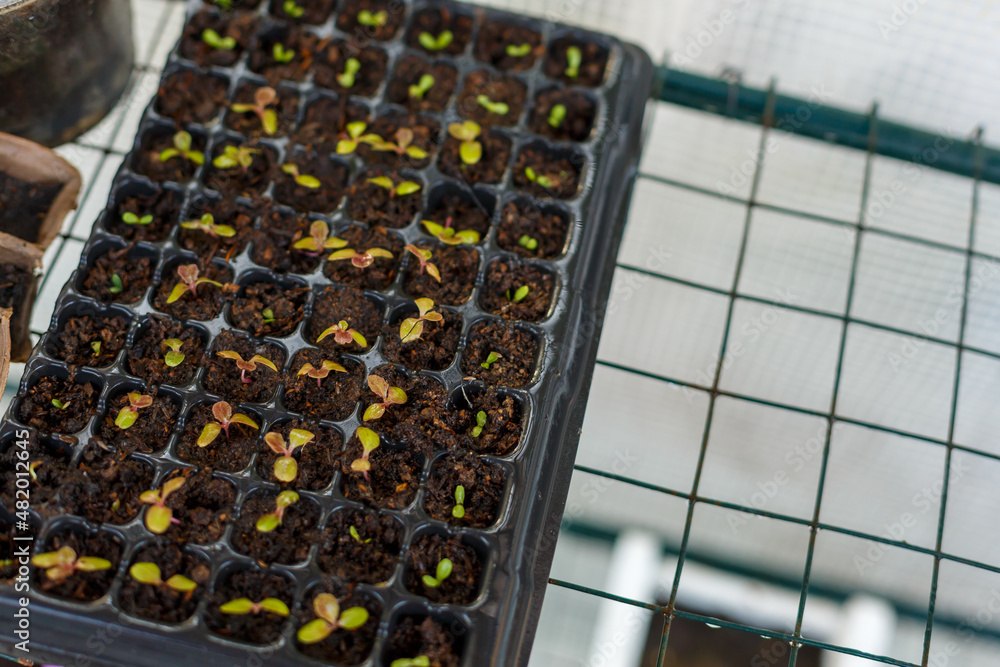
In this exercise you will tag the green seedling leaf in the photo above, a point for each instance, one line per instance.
(557, 115)
(116, 284)
(96, 347)
(491, 358)
(574, 58)
(481, 418)
(422, 86)
(217, 42)
(373, 20)
(499, 108)
(281, 54)
(432, 43)
(518, 50)
(528, 243)
(419, 661)
(130, 218)
(293, 10)
(348, 77)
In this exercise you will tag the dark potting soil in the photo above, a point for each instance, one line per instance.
(164, 204)
(434, 350)
(344, 304)
(177, 169)
(380, 273)
(332, 175)
(151, 429)
(289, 543)
(562, 172)
(81, 586)
(518, 352)
(261, 628)
(371, 557)
(24, 205)
(188, 97)
(105, 486)
(240, 181)
(436, 20)
(491, 166)
(227, 452)
(313, 11)
(580, 111)
(206, 302)
(224, 211)
(502, 431)
(272, 243)
(334, 397)
(460, 211)
(496, 88)
(496, 36)
(147, 356)
(160, 602)
(415, 637)
(524, 225)
(240, 26)
(79, 400)
(458, 266)
(387, 126)
(304, 47)
(316, 460)
(592, 65)
(342, 647)
(134, 272)
(13, 283)
(482, 480)
(331, 64)
(248, 123)
(392, 481)
(325, 120)
(376, 205)
(347, 20)
(222, 377)
(504, 278)
(408, 72)
(74, 343)
(51, 467)
(461, 586)
(285, 303)
(203, 506)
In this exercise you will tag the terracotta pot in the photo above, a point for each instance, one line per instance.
(63, 65)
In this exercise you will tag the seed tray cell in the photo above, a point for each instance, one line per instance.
(519, 467)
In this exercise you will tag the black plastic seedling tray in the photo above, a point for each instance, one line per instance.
(498, 627)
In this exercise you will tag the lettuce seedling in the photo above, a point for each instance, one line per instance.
(448, 235)
(354, 136)
(349, 76)
(373, 19)
(323, 371)
(188, 273)
(360, 260)
(432, 43)
(402, 146)
(499, 108)
(282, 54)
(130, 218)
(267, 315)
(519, 294)
(96, 347)
(319, 239)
(127, 415)
(262, 99)
(222, 412)
(343, 334)
(413, 327)
(557, 114)
(458, 511)
(206, 223)
(149, 573)
(369, 443)
(61, 564)
(423, 256)
(442, 572)
(422, 86)
(470, 150)
(235, 156)
(223, 4)
(286, 468)
(248, 366)
(272, 520)
(217, 41)
(481, 418)
(116, 284)
(59, 405)
(182, 148)
(331, 618)
(491, 358)
(419, 661)
(574, 58)
(538, 179)
(174, 356)
(159, 516)
(518, 50)
(528, 242)
(357, 536)
(389, 395)
(401, 190)
(305, 180)
(241, 606)
(31, 470)
(293, 10)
